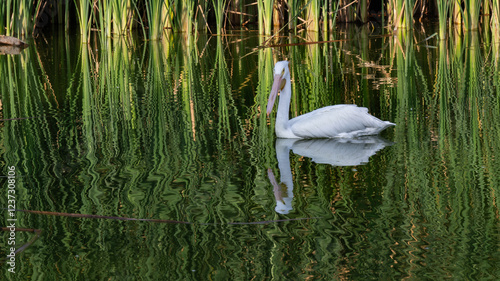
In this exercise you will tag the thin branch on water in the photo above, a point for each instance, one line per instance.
(306, 43)
(59, 214)
(432, 36)
(151, 220)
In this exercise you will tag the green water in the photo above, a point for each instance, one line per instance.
(175, 131)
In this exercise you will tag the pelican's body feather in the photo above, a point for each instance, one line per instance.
(342, 120)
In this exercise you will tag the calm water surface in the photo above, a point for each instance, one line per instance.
(167, 145)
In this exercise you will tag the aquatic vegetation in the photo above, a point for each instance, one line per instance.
(470, 13)
(219, 6)
(265, 13)
(400, 13)
(84, 19)
(313, 15)
(443, 10)
(16, 17)
(20, 17)
(157, 13)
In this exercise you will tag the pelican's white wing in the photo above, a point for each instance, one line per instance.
(342, 120)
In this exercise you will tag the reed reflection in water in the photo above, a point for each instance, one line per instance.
(174, 130)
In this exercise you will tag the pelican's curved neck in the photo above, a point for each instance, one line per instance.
(282, 127)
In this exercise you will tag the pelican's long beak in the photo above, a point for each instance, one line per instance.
(274, 93)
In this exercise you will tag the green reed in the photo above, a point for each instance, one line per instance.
(326, 20)
(83, 9)
(184, 15)
(456, 12)
(114, 16)
(400, 13)
(219, 7)
(25, 17)
(495, 18)
(318, 96)
(201, 21)
(16, 17)
(157, 12)
(3, 17)
(293, 11)
(265, 14)
(122, 15)
(104, 17)
(330, 12)
(66, 15)
(8, 19)
(313, 15)
(471, 14)
(363, 10)
(443, 9)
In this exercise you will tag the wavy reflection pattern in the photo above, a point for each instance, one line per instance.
(173, 130)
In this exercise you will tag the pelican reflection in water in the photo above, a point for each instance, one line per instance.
(336, 152)
(336, 121)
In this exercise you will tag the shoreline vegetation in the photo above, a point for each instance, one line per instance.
(110, 18)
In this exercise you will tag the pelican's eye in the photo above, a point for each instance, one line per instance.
(283, 82)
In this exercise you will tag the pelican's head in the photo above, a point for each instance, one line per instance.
(281, 74)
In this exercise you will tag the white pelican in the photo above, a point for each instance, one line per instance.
(336, 121)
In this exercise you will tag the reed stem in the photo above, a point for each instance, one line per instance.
(443, 8)
(265, 16)
(83, 13)
(313, 15)
(219, 6)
